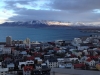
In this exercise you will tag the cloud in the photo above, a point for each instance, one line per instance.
(30, 14)
(15, 4)
(76, 5)
(62, 10)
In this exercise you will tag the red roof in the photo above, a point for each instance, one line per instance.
(56, 49)
(72, 55)
(93, 57)
(78, 65)
(37, 54)
(30, 58)
(89, 59)
(28, 68)
(96, 56)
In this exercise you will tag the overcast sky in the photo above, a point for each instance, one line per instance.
(59, 10)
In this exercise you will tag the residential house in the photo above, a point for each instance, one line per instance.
(71, 59)
(85, 52)
(24, 53)
(83, 59)
(76, 42)
(3, 71)
(69, 65)
(27, 70)
(45, 46)
(15, 52)
(60, 60)
(78, 54)
(38, 60)
(61, 51)
(38, 66)
(91, 63)
(61, 65)
(6, 50)
(83, 46)
(59, 42)
(10, 66)
(52, 63)
(22, 64)
(35, 44)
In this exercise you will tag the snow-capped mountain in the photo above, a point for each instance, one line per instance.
(36, 23)
(45, 23)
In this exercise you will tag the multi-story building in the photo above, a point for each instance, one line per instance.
(8, 40)
(18, 42)
(27, 41)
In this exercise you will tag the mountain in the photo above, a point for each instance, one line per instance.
(36, 23)
(46, 23)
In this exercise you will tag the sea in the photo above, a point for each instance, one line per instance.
(40, 34)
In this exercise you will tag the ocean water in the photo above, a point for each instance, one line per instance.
(40, 34)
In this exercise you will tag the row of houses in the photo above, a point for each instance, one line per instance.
(38, 58)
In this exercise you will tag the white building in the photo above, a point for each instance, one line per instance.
(59, 42)
(70, 59)
(88, 40)
(52, 63)
(76, 42)
(85, 52)
(61, 65)
(61, 51)
(3, 71)
(31, 62)
(78, 53)
(69, 65)
(6, 50)
(38, 66)
(60, 60)
(83, 47)
(91, 63)
(15, 52)
(10, 66)
(24, 53)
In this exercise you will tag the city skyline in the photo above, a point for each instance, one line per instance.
(59, 10)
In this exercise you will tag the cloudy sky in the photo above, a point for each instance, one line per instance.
(59, 10)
